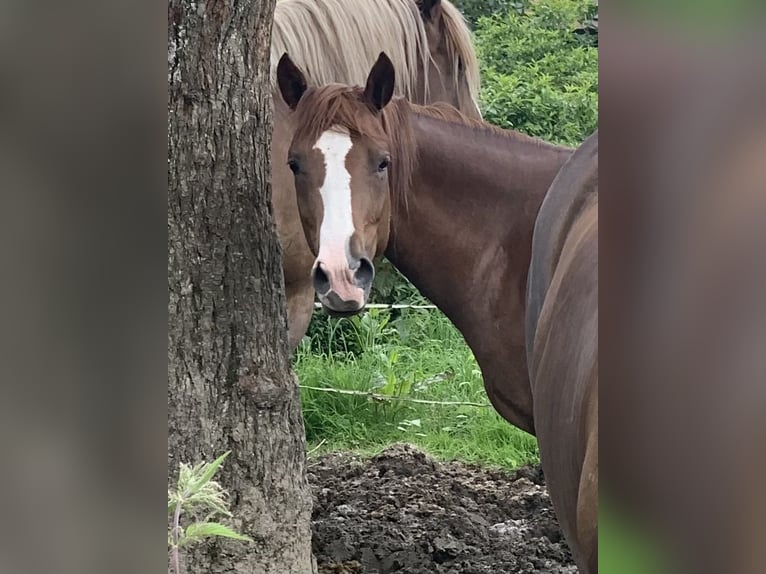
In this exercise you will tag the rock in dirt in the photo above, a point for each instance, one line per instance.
(402, 511)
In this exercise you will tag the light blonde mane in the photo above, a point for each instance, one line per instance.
(354, 32)
(460, 47)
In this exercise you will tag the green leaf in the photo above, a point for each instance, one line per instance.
(206, 529)
(208, 471)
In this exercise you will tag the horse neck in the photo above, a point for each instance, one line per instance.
(463, 237)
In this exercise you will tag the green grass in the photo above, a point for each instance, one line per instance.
(416, 354)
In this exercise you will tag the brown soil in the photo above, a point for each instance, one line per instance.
(401, 511)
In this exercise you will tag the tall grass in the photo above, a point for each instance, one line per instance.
(401, 354)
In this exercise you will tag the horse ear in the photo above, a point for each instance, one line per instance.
(292, 82)
(380, 83)
(429, 9)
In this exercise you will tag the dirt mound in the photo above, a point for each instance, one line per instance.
(401, 511)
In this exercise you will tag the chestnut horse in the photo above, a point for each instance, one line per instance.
(338, 40)
(453, 202)
(562, 347)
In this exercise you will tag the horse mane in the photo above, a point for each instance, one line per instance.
(460, 47)
(339, 40)
(357, 31)
(339, 106)
(446, 112)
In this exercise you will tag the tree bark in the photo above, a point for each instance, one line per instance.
(230, 384)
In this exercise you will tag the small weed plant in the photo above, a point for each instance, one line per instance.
(198, 496)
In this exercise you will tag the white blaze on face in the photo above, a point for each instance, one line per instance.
(337, 225)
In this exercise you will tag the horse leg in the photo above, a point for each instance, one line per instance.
(587, 495)
(300, 307)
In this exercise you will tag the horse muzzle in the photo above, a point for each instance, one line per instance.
(343, 290)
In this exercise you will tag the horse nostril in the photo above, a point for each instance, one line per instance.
(320, 279)
(365, 273)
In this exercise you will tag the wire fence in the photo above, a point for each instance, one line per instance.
(387, 306)
(386, 398)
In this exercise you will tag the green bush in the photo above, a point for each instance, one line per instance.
(473, 10)
(538, 76)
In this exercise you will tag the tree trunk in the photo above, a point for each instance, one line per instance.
(230, 385)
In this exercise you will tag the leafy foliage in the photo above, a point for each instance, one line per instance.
(538, 76)
(201, 530)
(390, 286)
(355, 335)
(475, 9)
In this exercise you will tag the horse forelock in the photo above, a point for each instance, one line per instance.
(352, 35)
(338, 106)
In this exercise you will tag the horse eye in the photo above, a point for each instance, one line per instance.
(383, 165)
(293, 165)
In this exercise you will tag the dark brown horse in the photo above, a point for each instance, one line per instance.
(452, 202)
(337, 41)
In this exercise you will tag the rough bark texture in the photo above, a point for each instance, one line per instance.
(230, 385)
